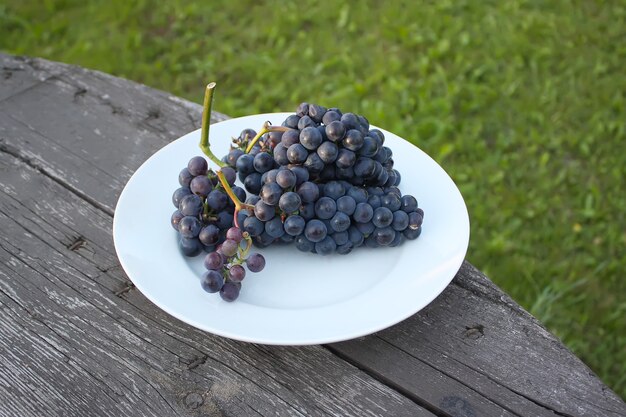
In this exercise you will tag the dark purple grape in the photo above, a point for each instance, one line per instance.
(217, 200)
(230, 174)
(212, 281)
(331, 116)
(416, 218)
(263, 162)
(310, 138)
(240, 193)
(400, 220)
(314, 163)
(327, 152)
(290, 137)
(308, 192)
(317, 112)
(359, 194)
(270, 193)
(269, 176)
(353, 140)
(412, 234)
(185, 177)
(247, 134)
(253, 183)
(384, 236)
(201, 186)
(350, 121)
(374, 201)
(391, 201)
(255, 262)
(307, 211)
(274, 138)
(233, 156)
(190, 246)
(369, 147)
(286, 179)
(294, 225)
(191, 205)
(297, 154)
(365, 228)
(292, 121)
(341, 238)
(280, 154)
(275, 228)
(398, 240)
(179, 194)
(236, 273)
(346, 204)
(325, 208)
(306, 121)
(315, 230)
(229, 291)
(340, 222)
(302, 109)
(209, 235)
(214, 261)
(356, 237)
(345, 158)
(302, 174)
(335, 131)
(289, 202)
(253, 226)
(176, 218)
(303, 244)
(224, 220)
(364, 167)
(382, 217)
(326, 246)
(197, 166)
(245, 165)
(264, 212)
(363, 213)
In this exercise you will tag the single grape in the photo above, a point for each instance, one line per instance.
(364, 167)
(255, 262)
(369, 147)
(363, 213)
(308, 192)
(382, 217)
(264, 212)
(197, 166)
(400, 220)
(334, 189)
(314, 163)
(350, 121)
(290, 137)
(212, 281)
(303, 109)
(280, 154)
(289, 202)
(245, 164)
(356, 237)
(326, 246)
(305, 121)
(331, 116)
(374, 201)
(303, 244)
(384, 236)
(229, 248)
(234, 233)
(230, 174)
(359, 194)
(315, 230)
(292, 121)
(253, 226)
(317, 112)
(341, 238)
(408, 203)
(412, 234)
(340, 222)
(345, 249)
(346, 204)
(217, 200)
(263, 162)
(327, 152)
(190, 205)
(253, 183)
(345, 159)
(310, 138)
(307, 211)
(209, 235)
(302, 174)
(294, 225)
(416, 218)
(185, 177)
(229, 291)
(391, 201)
(297, 154)
(239, 192)
(353, 140)
(214, 261)
(271, 193)
(365, 228)
(285, 178)
(190, 246)
(233, 156)
(176, 218)
(201, 186)
(236, 273)
(275, 228)
(325, 207)
(179, 194)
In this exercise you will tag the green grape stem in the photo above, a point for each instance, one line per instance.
(267, 127)
(229, 191)
(205, 146)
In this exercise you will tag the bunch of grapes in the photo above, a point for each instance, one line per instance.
(204, 221)
(322, 180)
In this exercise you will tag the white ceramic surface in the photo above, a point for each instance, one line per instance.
(299, 298)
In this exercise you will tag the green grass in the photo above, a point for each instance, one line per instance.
(522, 102)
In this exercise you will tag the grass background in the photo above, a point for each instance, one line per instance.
(522, 102)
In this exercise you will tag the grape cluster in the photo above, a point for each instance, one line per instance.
(326, 182)
(322, 180)
(204, 221)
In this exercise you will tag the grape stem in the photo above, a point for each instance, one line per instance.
(206, 121)
(267, 127)
(238, 204)
(243, 252)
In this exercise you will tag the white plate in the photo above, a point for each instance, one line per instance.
(299, 298)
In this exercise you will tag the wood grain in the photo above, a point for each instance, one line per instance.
(77, 339)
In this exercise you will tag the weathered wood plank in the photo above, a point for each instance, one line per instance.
(92, 352)
(474, 344)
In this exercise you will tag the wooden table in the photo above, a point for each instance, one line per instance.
(77, 339)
